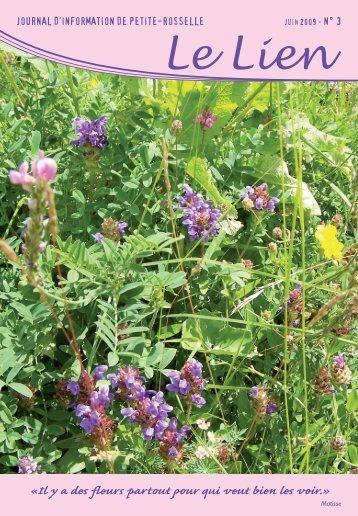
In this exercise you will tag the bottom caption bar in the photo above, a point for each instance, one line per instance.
(298, 494)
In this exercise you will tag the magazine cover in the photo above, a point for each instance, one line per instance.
(178, 274)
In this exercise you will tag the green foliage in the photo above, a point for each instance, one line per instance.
(155, 299)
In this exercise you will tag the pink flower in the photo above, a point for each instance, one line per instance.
(206, 119)
(44, 168)
(21, 177)
(202, 424)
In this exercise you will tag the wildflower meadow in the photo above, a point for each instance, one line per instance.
(177, 274)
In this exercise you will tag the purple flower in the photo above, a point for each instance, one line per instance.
(82, 410)
(92, 133)
(206, 119)
(27, 465)
(195, 367)
(129, 384)
(197, 400)
(151, 414)
(99, 372)
(90, 417)
(173, 424)
(199, 216)
(202, 221)
(90, 407)
(171, 440)
(190, 198)
(270, 205)
(74, 387)
(271, 408)
(179, 385)
(89, 422)
(258, 197)
(91, 414)
(339, 361)
(254, 392)
(185, 429)
(250, 191)
(113, 379)
(98, 238)
(148, 434)
(172, 452)
(121, 226)
(294, 305)
(275, 200)
(127, 412)
(149, 410)
(101, 398)
(159, 429)
(188, 382)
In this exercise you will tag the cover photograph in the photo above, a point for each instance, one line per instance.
(178, 257)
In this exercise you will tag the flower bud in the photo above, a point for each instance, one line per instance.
(322, 385)
(338, 444)
(266, 315)
(337, 220)
(277, 233)
(272, 247)
(247, 264)
(247, 203)
(340, 372)
(177, 126)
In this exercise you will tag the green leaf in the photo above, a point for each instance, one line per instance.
(353, 454)
(113, 359)
(5, 414)
(273, 170)
(215, 335)
(72, 276)
(168, 356)
(198, 170)
(35, 141)
(13, 372)
(71, 462)
(79, 197)
(58, 415)
(23, 311)
(55, 430)
(19, 143)
(122, 462)
(352, 402)
(110, 249)
(155, 354)
(231, 226)
(21, 389)
(9, 460)
(332, 148)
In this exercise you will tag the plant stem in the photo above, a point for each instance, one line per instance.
(10, 76)
(72, 90)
